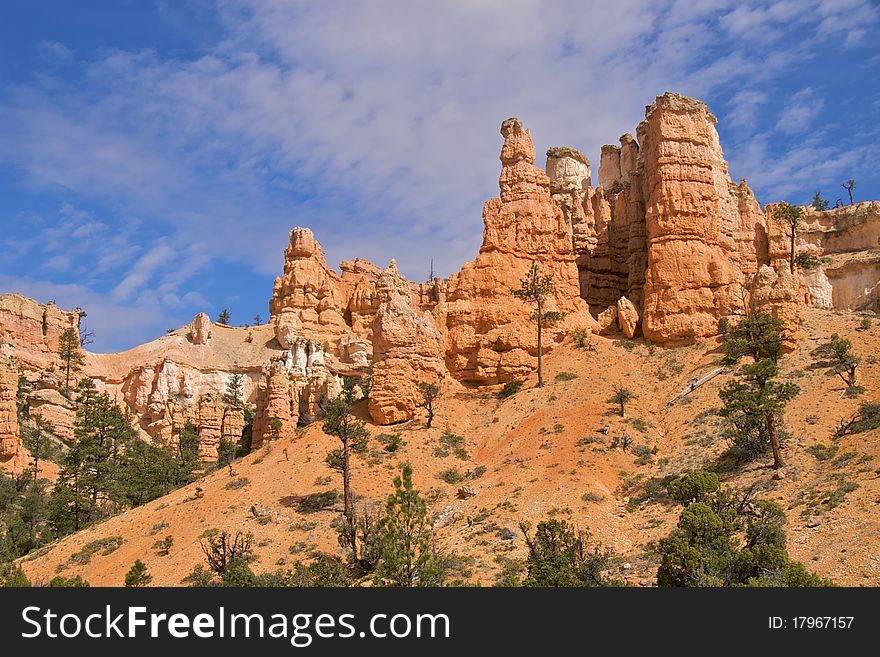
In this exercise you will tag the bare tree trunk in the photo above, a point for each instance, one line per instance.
(774, 442)
(540, 350)
(791, 257)
(346, 481)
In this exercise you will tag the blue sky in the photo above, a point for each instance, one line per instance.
(154, 155)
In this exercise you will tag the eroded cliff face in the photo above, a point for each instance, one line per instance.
(33, 329)
(700, 226)
(177, 379)
(663, 246)
(13, 457)
(489, 335)
(846, 242)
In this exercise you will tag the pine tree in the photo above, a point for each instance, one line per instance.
(409, 556)
(726, 540)
(188, 456)
(791, 216)
(89, 468)
(754, 405)
(429, 393)
(819, 203)
(71, 355)
(224, 317)
(138, 575)
(339, 421)
(234, 394)
(559, 556)
(37, 441)
(536, 288)
(841, 360)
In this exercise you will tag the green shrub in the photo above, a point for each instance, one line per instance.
(510, 388)
(823, 452)
(560, 557)
(317, 501)
(391, 441)
(806, 261)
(451, 476)
(693, 486)
(583, 339)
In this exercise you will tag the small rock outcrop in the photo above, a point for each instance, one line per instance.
(627, 317)
(310, 289)
(407, 350)
(200, 329)
(777, 293)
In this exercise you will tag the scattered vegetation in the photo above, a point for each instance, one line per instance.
(138, 575)
(510, 388)
(559, 555)
(727, 540)
(391, 441)
(451, 476)
(621, 398)
(104, 546)
(583, 339)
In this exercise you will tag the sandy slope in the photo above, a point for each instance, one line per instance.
(535, 467)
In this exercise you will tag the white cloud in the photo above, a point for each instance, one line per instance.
(377, 123)
(744, 107)
(800, 112)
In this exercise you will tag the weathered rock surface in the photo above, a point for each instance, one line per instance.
(200, 330)
(607, 320)
(293, 386)
(13, 456)
(697, 257)
(846, 242)
(489, 334)
(33, 329)
(407, 350)
(627, 317)
(55, 409)
(777, 293)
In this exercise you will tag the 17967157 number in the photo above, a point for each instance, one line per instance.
(811, 622)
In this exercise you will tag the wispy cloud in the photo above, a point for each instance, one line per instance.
(377, 123)
(800, 111)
